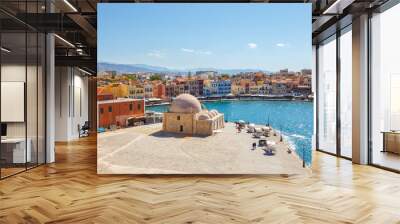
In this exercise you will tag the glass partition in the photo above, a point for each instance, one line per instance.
(327, 95)
(346, 92)
(22, 91)
(31, 97)
(385, 89)
(13, 121)
(41, 97)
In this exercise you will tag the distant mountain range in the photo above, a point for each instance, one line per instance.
(132, 68)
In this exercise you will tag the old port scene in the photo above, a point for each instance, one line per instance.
(226, 93)
(205, 123)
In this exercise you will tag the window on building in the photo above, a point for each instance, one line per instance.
(110, 109)
(178, 118)
(101, 110)
(139, 106)
(131, 107)
(181, 128)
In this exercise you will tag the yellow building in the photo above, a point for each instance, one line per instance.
(186, 116)
(117, 90)
(136, 91)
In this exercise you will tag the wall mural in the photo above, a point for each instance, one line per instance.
(204, 89)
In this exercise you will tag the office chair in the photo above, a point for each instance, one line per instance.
(84, 130)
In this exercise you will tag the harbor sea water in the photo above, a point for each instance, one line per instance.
(293, 118)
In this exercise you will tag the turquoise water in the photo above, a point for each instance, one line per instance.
(294, 118)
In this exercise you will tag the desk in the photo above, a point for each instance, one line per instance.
(13, 150)
(391, 141)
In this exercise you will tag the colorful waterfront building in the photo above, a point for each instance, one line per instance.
(122, 112)
(159, 90)
(118, 90)
(136, 91)
(186, 116)
(148, 90)
(104, 96)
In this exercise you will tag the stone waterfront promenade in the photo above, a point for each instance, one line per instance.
(148, 150)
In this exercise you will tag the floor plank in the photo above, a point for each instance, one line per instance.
(70, 191)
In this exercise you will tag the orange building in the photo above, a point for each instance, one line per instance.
(159, 90)
(120, 112)
(104, 96)
(118, 90)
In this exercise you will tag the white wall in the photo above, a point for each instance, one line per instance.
(10, 73)
(71, 103)
(33, 126)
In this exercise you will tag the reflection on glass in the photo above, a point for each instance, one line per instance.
(31, 97)
(346, 94)
(327, 96)
(41, 99)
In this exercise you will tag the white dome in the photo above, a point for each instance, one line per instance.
(203, 117)
(213, 113)
(185, 103)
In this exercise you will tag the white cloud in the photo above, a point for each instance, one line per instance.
(252, 45)
(281, 45)
(204, 52)
(155, 54)
(187, 50)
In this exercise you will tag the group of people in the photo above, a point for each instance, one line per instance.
(240, 125)
(268, 151)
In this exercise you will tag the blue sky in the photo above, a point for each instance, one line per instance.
(223, 36)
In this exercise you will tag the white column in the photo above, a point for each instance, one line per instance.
(50, 98)
(360, 90)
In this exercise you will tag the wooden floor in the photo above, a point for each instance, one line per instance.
(70, 191)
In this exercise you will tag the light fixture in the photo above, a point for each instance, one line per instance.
(70, 5)
(86, 72)
(337, 7)
(5, 50)
(64, 40)
(79, 51)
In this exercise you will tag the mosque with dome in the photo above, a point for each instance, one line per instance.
(186, 116)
